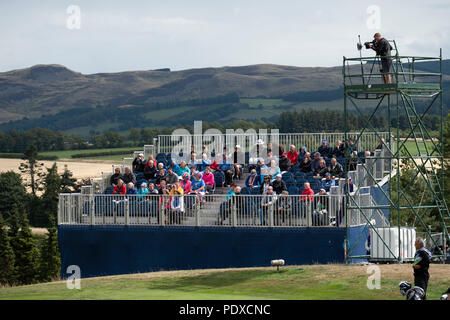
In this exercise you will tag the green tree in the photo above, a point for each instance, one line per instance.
(7, 270)
(134, 135)
(52, 188)
(68, 182)
(12, 193)
(33, 168)
(26, 254)
(50, 262)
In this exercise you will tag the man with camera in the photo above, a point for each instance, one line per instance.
(383, 49)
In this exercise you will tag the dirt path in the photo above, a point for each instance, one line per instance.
(80, 170)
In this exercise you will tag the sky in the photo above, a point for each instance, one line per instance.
(113, 36)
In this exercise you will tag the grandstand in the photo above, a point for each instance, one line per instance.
(97, 205)
(96, 226)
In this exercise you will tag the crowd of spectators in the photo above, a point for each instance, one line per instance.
(198, 174)
(193, 174)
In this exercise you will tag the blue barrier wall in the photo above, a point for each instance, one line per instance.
(109, 250)
(357, 237)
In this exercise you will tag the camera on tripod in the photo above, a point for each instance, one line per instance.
(367, 45)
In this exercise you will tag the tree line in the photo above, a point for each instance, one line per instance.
(15, 141)
(24, 258)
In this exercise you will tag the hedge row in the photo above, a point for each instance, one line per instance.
(101, 154)
(20, 156)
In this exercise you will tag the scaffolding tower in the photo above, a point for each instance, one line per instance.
(415, 92)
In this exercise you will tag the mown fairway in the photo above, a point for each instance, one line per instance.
(295, 282)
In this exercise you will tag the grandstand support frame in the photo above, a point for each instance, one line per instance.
(397, 100)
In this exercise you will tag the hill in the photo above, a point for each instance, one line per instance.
(323, 282)
(48, 89)
(54, 97)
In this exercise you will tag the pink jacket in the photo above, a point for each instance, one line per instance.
(208, 178)
(186, 186)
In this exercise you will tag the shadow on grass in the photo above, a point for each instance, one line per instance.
(217, 280)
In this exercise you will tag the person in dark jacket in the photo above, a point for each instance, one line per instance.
(315, 163)
(338, 150)
(335, 169)
(131, 189)
(115, 177)
(324, 149)
(305, 165)
(279, 185)
(128, 176)
(321, 170)
(160, 176)
(284, 163)
(383, 49)
(301, 155)
(421, 264)
(252, 179)
(283, 207)
(139, 163)
(265, 184)
(150, 170)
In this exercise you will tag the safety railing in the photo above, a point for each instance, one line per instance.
(255, 143)
(281, 210)
(403, 69)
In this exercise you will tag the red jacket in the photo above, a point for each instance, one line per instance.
(214, 165)
(292, 156)
(121, 190)
(307, 195)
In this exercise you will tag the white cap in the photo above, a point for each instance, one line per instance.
(238, 146)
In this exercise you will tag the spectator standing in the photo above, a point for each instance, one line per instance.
(421, 265)
(267, 201)
(226, 168)
(238, 160)
(283, 207)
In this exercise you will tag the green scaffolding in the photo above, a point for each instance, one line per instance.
(412, 94)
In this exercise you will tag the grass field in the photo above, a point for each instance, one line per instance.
(295, 282)
(67, 154)
(412, 147)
